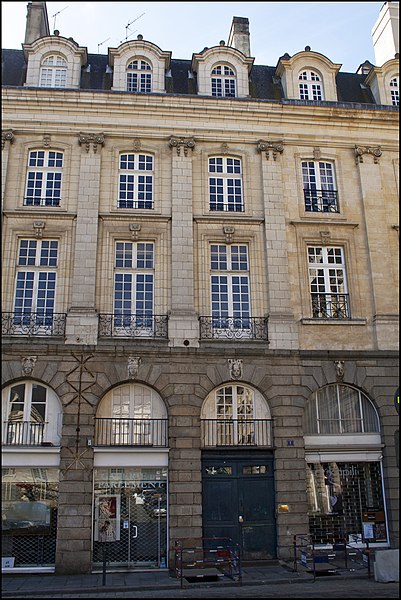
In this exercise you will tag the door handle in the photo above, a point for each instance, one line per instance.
(135, 531)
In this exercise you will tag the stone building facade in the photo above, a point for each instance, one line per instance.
(200, 308)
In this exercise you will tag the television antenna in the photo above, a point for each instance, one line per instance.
(55, 16)
(127, 27)
(104, 41)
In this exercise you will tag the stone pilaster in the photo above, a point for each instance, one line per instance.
(372, 184)
(283, 331)
(82, 322)
(183, 321)
(7, 138)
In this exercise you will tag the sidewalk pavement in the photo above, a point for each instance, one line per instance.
(37, 585)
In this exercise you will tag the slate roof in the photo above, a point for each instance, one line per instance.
(263, 84)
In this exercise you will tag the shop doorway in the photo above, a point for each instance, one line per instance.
(139, 519)
(239, 501)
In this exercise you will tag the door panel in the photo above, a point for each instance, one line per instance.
(239, 486)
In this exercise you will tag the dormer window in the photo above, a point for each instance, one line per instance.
(139, 76)
(394, 91)
(223, 82)
(310, 87)
(53, 72)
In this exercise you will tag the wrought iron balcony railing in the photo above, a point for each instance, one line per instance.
(321, 201)
(133, 325)
(131, 432)
(236, 432)
(252, 328)
(33, 323)
(36, 201)
(23, 433)
(330, 306)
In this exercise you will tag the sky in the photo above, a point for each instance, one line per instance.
(339, 30)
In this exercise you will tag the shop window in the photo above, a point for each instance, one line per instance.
(345, 501)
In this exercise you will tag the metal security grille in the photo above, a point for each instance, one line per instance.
(32, 550)
(142, 525)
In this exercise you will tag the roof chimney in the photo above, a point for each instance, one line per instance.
(385, 33)
(239, 35)
(37, 22)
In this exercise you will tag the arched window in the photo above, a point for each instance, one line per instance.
(44, 176)
(310, 86)
(131, 415)
(236, 415)
(223, 81)
(139, 76)
(394, 91)
(337, 409)
(53, 72)
(31, 414)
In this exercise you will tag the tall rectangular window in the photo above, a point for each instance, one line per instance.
(320, 193)
(327, 282)
(225, 184)
(135, 181)
(229, 279)
(134, 285)
(44, 176)
(35, 288)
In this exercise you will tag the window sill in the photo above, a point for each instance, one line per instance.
(342, 322)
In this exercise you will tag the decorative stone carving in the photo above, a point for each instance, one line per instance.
(229, 234)
(325, 237)
(136, 146)
(88, 139)
(46, 140)
(180, 142)
(361, 150)
(134, 228)
(224, 148)
(339, 364)
(317, 153)
(235, 368)
(28, 364)
(7, 136)
(276, 147)
(38, 227)
(133, 366)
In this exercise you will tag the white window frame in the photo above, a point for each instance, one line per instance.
(310, 86)
(134, 270)
(136, 181)
(44, 178)
(40, 258)
(394, 91)
(328, 282)
(230, 285)
(320, 188)
(223, 82)
(225, 184)
(139, 76)
(53, 72)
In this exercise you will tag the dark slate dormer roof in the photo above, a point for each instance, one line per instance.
(263, 84)
(351, 88)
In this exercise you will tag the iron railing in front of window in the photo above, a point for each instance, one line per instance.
(33, 323)
(321, 200)
(133, 325)
(253, 328)
(236, 432)
(330, 306)
(131, 432)
(36, 201)
(23, 433)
